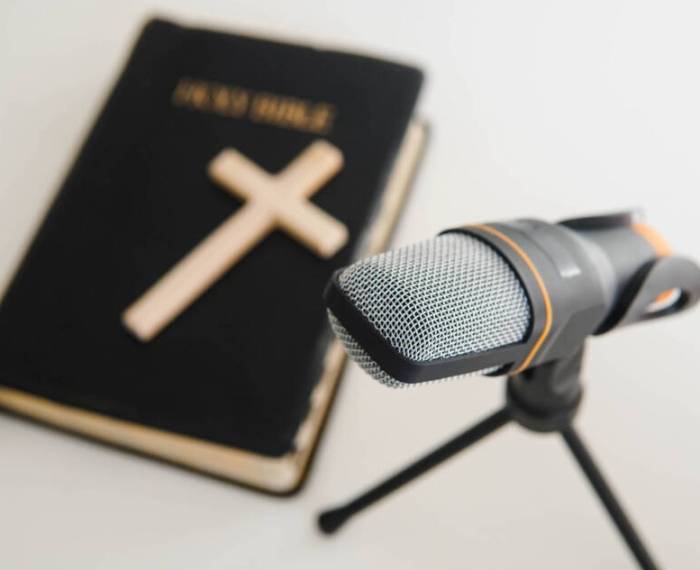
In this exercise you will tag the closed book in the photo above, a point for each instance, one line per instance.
(239, 382)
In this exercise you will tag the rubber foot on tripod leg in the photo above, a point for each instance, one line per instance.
(331, 521)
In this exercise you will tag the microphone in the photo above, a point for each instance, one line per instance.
(501, 298)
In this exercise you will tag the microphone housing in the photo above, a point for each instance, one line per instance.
(500, 298)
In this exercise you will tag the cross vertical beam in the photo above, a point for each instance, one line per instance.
(272, 202)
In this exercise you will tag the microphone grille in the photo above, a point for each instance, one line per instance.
(445, 297)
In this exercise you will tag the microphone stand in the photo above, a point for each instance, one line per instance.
(543, 399)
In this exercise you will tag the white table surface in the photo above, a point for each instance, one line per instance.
(539, 108)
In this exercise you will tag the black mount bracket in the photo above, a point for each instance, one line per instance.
(544, 398)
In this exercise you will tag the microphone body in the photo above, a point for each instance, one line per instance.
(503, 297)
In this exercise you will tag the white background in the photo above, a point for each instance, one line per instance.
(540, 108)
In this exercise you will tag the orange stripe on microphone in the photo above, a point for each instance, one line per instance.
(653, 238)
(540, 284)
(660, 246)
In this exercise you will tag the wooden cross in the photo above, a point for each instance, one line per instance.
(272, 202)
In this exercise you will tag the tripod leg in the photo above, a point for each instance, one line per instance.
(606, 495)
(329, 521)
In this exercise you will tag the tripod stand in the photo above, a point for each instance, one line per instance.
(543, 399)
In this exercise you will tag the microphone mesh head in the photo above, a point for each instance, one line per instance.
(450, 296)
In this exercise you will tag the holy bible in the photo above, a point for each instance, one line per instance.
(170, 301)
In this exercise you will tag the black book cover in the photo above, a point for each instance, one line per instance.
(238, 366)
